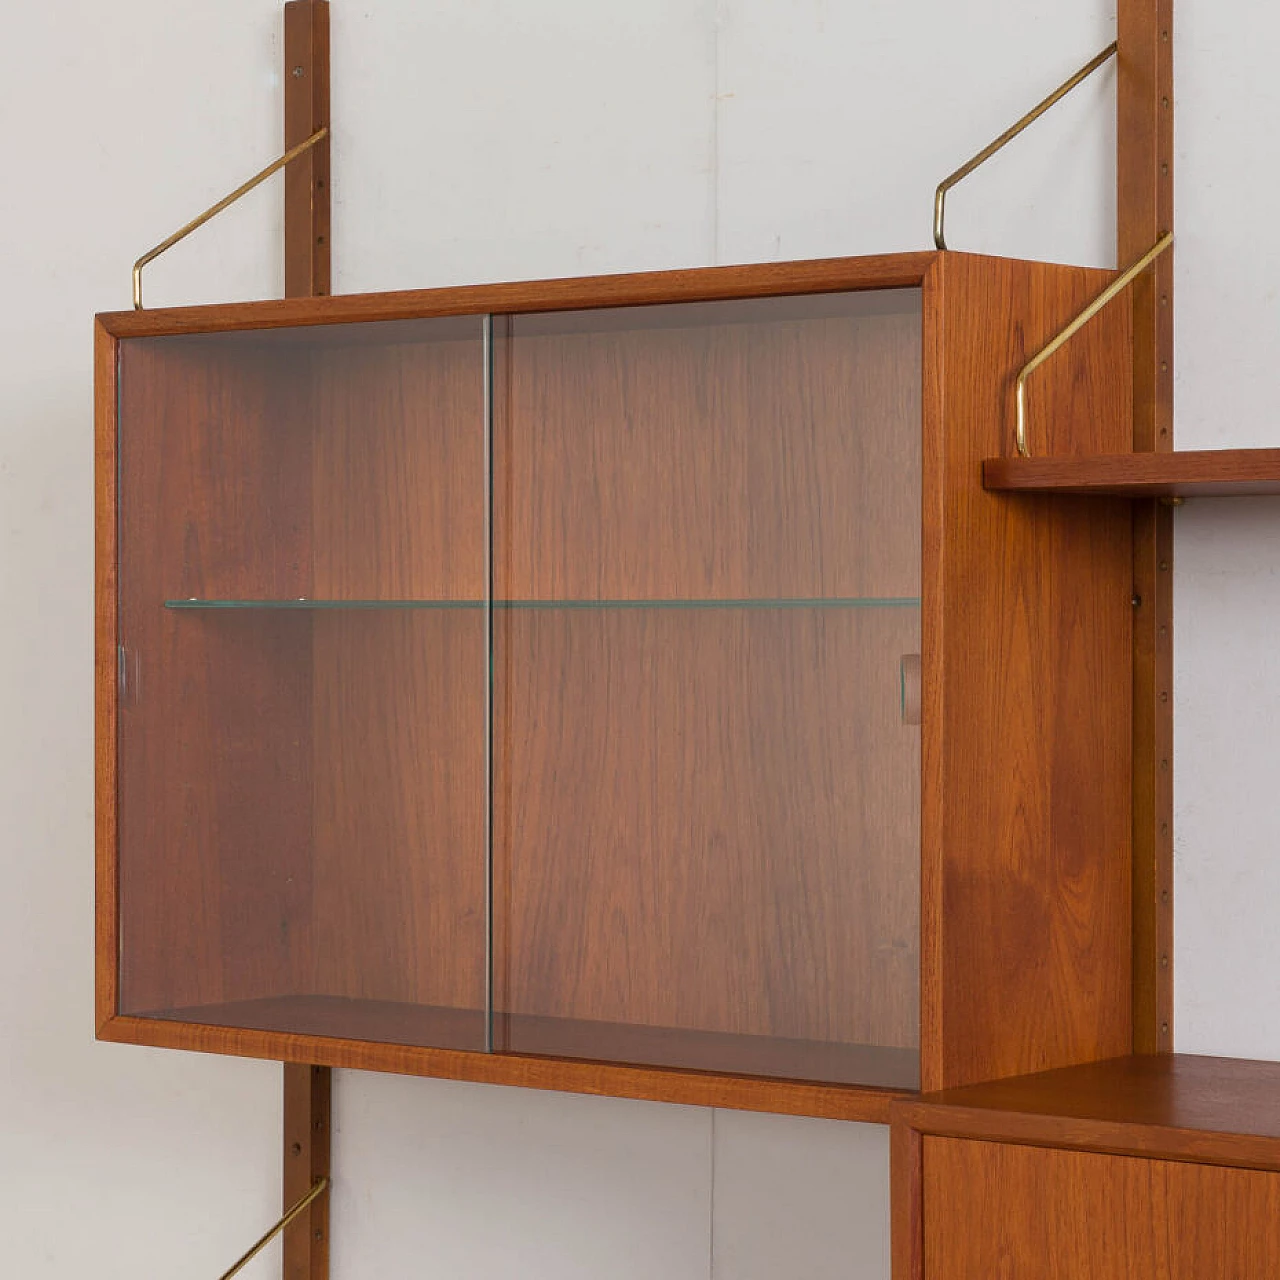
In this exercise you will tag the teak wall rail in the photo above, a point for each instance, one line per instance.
(307, 273)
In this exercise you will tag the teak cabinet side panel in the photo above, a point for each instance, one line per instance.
(106, 678)
(994, 1210)
(1027, 676)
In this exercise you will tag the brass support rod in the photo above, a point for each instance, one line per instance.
(321, 1186)
(940, 196)
(292, 154)
(1120, 283)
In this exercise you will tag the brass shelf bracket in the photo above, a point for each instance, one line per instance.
(1116, 287)
(940, 196)
(318, 1189)
(150, 256)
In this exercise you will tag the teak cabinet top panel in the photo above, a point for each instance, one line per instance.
(1174, 1106)
(697, 284)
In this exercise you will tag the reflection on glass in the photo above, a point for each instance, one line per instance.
(706, 819)
(302, 742)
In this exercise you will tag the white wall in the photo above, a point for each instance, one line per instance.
(483, 139)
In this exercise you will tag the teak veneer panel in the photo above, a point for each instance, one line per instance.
(698, 284)
(705, 819)
(213, 733)
(397, 469)
(1167, 1106)
(752, 449)
(1026, 624)
(398, 1023)
(397, 822)
(653, 1084)
(106, 683)
(996, 1210)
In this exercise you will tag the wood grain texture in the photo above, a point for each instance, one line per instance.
(215, 801)
(1144, 204)
(398, 850)
(699, 284)
(1172, 1106)
(449, 1027)
(398, 485)
(106, 679)
(706, 819)
(1009, 1211)
(306, 179)
(214, 734)
(767, 448)
(397, 461)
(1144, 210)
(308, 1092)
(307, 261)
(906, 1200)
(1027, 676)
(655, 1084)
(1186, 473)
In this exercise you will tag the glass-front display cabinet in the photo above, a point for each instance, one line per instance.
(618, 685)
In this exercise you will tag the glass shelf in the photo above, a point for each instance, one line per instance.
(831, 602)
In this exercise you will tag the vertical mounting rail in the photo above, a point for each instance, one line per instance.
(306, 180)
(1144, 137)
(306, 1161)
(307, 1089)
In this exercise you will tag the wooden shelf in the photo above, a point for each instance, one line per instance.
(1173, 1106)
(391, 1022)
(1202, 473)
(224, 1029)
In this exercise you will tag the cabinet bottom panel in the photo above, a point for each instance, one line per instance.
(429, 1026)
(567, 1075)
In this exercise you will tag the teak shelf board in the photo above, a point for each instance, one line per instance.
(1188, 473)
(391, 1022)
(1168, 1106)
(528, 1071)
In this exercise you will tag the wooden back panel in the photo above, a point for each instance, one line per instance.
(302, 792)
(397, 483)
(727, 450)
(214, 729)
(706, 818)
(1027, 675)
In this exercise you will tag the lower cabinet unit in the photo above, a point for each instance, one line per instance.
(619, 685)
(1008, 1211)
(1165, 1167)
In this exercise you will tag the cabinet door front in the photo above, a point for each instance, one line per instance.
(1002, 1212)
(706, 753)
(304, 664)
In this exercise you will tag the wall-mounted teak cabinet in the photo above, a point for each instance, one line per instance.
(1164, 1166)
(619, 685)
